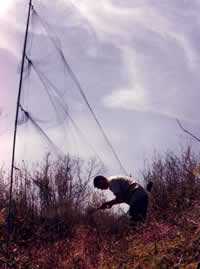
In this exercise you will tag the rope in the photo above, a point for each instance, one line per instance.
(37, 126)
(64, 106)
(77, 83)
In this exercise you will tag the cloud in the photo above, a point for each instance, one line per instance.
(138, 62)
(126, 99)
(157, 49)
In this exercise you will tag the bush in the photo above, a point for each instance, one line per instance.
(56, 197)
(175, 183)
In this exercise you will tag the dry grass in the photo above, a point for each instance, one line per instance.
(53, 229)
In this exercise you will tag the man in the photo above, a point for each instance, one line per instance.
(126, 191)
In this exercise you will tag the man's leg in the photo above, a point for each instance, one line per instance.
(138, 206)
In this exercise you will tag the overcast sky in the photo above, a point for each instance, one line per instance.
(138, 62)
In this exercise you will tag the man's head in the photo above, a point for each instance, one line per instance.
(101, 182)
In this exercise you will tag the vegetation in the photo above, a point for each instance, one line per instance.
(53, 226)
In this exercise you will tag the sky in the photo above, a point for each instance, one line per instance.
(138, 62)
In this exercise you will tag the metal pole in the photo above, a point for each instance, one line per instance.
(16, 117)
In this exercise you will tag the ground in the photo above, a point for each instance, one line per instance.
(174, 243)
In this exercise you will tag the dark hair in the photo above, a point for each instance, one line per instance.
(98, 180)
(149, 186)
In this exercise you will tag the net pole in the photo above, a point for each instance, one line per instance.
(16, 118)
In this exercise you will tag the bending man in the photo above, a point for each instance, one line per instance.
(125, 191)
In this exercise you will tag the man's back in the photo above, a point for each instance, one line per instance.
(120, 185)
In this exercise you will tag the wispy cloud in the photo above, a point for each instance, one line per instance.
(138, 61)
(157, 43)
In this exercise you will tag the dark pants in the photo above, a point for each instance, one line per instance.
(138, 205)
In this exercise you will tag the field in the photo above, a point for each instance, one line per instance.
(52, 226)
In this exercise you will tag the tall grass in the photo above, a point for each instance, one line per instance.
(52, 202)
(61, 191)
(176, 183)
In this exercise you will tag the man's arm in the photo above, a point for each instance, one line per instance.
(109, 204)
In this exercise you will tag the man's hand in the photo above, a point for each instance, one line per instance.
(106, 205)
